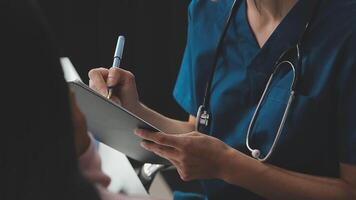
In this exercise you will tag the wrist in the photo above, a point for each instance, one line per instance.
(225, 169)
(135, 108)
(237, 167)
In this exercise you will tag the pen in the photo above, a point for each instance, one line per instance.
(117, 59)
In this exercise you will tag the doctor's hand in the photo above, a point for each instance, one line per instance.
(195, 155)
(125, 92)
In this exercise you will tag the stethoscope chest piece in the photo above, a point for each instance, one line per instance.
(203, 118)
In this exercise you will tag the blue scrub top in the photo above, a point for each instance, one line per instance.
(320, 131)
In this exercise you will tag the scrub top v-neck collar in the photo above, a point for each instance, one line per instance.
(282, 38)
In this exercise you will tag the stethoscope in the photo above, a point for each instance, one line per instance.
(203, 115)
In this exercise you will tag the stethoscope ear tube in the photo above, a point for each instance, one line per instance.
(256, 153)
(203, 115)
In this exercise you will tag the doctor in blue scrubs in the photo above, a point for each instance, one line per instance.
(299, 141)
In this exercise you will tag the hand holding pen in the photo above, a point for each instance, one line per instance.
(116, 83)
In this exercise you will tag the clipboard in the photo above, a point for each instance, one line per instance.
(113, 125)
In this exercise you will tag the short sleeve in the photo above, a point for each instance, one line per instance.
(346, 106)
(184, 88)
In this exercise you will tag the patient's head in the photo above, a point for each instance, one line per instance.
(37, 153)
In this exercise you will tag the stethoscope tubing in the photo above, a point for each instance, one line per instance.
(255, 152)
(203, 115)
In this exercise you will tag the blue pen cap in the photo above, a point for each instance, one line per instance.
(120, 46)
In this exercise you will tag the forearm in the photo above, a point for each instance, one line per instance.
(275, 183)
(165, 124)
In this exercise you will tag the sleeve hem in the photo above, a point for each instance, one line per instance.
(185, 102)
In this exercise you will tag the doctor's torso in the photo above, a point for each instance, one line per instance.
(316, 136)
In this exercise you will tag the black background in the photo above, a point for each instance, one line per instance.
(86, 31)
(155, 31)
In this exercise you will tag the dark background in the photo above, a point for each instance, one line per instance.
(155, 31)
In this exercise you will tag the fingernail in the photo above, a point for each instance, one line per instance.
(138, 132)
(143, 144)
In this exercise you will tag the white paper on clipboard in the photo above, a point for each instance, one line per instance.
(70, 73)
(114, 164)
